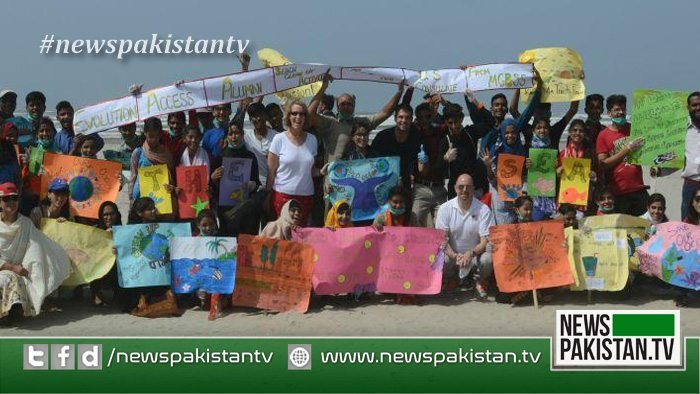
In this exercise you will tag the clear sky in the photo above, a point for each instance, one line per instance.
(625, 45)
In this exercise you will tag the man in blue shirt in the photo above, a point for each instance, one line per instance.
(63, 140)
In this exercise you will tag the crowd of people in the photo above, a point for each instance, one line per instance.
(447, 174)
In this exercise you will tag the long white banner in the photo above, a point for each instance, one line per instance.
(235, 87)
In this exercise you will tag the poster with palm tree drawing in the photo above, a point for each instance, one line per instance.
(203, 263)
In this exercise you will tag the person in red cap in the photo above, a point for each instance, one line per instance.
(31, 265)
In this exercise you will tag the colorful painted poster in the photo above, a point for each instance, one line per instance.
(273, 274)
(233, 188)
(530, 256)
(89, 249)
(193, 196)
(143, 252)
(206, 263)
(119, 156)
(575, 181)
(561, 70)
(636, 227)
(509, 176)
(364, 183)
(167, 99)
(405, 260)
(500, 76)
(599, 259)
(151, 182)
(542, 174)
(673, 254)
(661, 118)
(36, 158)
(91, 182)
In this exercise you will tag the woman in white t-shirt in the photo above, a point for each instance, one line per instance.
(290, 163)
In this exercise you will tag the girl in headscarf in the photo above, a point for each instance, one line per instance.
(543, 207)
(290, 217)
(509, 143)
(339, 216)
(577, 147)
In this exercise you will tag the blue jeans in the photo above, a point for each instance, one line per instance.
(688, 189)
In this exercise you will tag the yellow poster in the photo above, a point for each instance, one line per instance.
(561, 70)
(89, 249)
(598, 258)
(270, 58)
(574, 181)
(151, 181)
(636, 231)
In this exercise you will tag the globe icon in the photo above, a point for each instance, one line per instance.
(299, 357)
(81, 188)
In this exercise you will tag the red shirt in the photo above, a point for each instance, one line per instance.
(624, 177)
(176, 146)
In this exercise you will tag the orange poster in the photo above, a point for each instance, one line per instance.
(530, 256)
(509, 176)
(273, 274)
(91, 182)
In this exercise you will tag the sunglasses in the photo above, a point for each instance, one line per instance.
(9, 198)
(462, 187)
(298, 113)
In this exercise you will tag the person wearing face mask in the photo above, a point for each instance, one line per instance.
(245, 216)
(63, 140)
(613, 148)
(605, 200)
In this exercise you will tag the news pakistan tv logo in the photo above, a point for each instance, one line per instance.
(62, 357)
(618, 339)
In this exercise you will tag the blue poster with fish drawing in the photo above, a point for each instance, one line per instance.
(364, 183)
(143, 255)
(206, 263)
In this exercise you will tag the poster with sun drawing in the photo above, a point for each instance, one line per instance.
(91, 182)
(206, 263)
(365, 183)
(529, 256)
(151, 181)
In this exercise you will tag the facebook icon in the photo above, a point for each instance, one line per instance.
(63, 357)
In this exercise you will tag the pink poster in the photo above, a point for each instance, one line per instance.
(401, 260)
(673, 254)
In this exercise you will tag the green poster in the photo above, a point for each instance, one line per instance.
(661, 118)
(36, 157)
(542, 174)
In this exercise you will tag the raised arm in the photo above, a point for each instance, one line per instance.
(316, 101)
(513, 109)
(389, 107)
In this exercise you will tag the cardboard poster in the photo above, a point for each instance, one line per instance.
(599, 258)
(143, 257)
(91, 182)
(575, 181)
(273, 274)
(673, 254)
(561, 70)
(509, 176)
(206, 263)
(151, 181)
(364, 183)
(233, 187)
(399, 260)
(661, 118)
(530, 256)
(542, 174)
(193, 197)
(173, 98)
(89, 249)
(500, 76)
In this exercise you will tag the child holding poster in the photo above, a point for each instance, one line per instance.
(605, 201)
(151, 153)
(543, 207)
(510, 144)
(108, 216)
(206, 224)
(290, 217)
(578, 147)
(54, 205)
